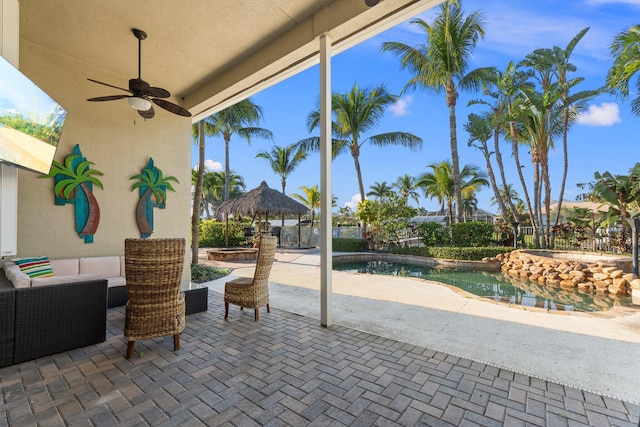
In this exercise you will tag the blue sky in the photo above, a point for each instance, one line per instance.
(605, 139)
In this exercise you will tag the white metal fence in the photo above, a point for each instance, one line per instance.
(310, 236)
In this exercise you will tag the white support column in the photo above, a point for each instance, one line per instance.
(326, 250)
(9, 49)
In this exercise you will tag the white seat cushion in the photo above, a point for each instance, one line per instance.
(65, 267)
(17, 278)
(107, 266)
(56, 280)
(116, 281)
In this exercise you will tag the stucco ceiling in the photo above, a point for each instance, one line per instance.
(208, 53)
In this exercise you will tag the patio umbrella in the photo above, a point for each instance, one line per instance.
(262, 200)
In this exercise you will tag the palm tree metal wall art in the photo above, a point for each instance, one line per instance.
(153, 186)
(74, 174)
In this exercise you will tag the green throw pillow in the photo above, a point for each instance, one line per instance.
(35, 267)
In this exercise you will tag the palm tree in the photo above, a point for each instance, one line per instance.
(283, 161)
(503, 88)
(541, 120)
(618, 191)
(441, 65)
(439, 183)
(625, 50)
(213, 188)
(240, 119)
(480, 131)
(345, 214)
(198, 132)
(555, 63)
(380, 190)
(357, 113)
(310, 198)
(406, 186)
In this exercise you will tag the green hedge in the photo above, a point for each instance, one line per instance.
(344, 244)
(463, 234)
(212, 233)
(452, 252)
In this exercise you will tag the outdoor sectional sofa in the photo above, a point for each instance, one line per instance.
(41, 316)
(71, 270)
(49, 319)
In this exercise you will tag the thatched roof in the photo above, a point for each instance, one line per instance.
(261, 201)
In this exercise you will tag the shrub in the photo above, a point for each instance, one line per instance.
(344, 244)
(471, 234)
(204, 273)
(433, 234)
(452, 252)
(463, 234)
(212, 233)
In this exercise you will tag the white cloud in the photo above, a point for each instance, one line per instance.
(605, 114)
(211, 166)
(353, 203)
(401, 107)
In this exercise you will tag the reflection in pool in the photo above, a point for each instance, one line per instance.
(497, 286)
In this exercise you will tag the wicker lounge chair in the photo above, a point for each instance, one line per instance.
(156, 305)
(253, 292)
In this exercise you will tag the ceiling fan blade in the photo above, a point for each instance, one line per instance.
(107, 84)
(171, 107)
(108, 98)
(157, 92)
(147, 114)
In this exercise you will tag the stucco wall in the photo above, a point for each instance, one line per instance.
(107, 136)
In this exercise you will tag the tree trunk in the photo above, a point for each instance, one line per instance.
(355, 153)
(453, 141)
(284, 183)
(565, 153)
(450, 210)
(547, 198)
(227, 170)
(537, 198)
(503, 178)
(494, 185)
(516, 157)
(197, 198)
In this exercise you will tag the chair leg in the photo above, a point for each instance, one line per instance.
(268, 309)
(226, 310)
(130, 345)
(176, 342)
(257, 316)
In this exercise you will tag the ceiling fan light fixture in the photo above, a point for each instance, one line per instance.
(139, 104)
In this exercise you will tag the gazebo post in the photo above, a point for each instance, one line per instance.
(226, 230)
(299, 229)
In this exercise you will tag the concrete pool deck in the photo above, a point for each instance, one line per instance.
(593, 352)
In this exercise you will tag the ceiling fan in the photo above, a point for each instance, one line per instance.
(141, 93)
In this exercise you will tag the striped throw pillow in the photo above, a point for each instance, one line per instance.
(35, 267)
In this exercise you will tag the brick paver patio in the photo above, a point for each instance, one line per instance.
(284, 370)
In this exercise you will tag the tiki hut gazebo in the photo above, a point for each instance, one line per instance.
(262, 200)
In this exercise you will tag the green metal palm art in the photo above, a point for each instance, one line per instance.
(153, 187)
(76, 173)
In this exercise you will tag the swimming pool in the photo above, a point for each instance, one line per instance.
(493, 285)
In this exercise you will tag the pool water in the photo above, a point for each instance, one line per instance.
(496, 286)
